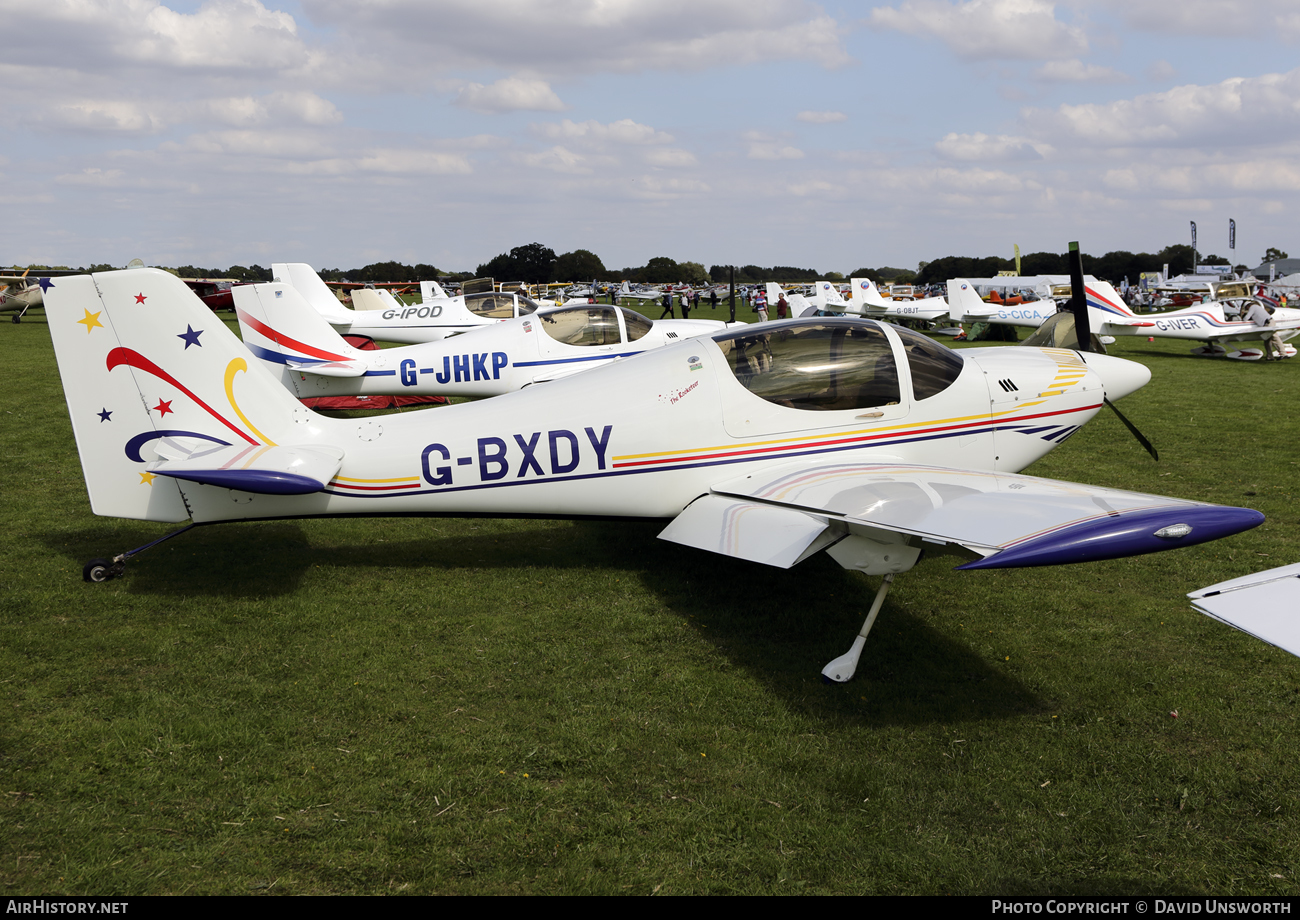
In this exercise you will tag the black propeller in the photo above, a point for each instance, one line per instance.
(1083, 333)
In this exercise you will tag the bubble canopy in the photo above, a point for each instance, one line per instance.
(829, 364)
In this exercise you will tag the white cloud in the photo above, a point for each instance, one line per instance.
(764, 150)
(821, 118)
(1075, 71)
(624, 131)
(670, 158)
(564, 36)
(1213, 18)
(511, 94)
(993, 29)
(1238, 111)
(558, 159)
(990, 147)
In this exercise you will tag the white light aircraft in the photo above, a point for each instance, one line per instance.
(625, 292)
(1110, 316)
(296, 344)
(868, 301)
(428, 321)
(769, 443)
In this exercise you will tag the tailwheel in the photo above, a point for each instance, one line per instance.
(101, 570)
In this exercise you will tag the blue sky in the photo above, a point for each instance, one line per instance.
(831, 136)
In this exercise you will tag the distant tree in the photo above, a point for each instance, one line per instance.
(871, 273)
(101, 267)
(833, 276)
(660, 270)
(692, 272)
(1044, 263)
(1272, 255)
(1179, 258)
(579, 265)
(719, 274)
(532, 263)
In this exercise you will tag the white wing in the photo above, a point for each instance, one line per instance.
(1265, 605)
(1000, 519)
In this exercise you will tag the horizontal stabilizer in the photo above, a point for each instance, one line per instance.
(329, 368)
(1265, 605)
(750, 530)
(253, 468)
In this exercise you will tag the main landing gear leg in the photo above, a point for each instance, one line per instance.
(101, 570)
(842, 668)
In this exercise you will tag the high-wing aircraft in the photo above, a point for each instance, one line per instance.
(18, 294)
(435, 318)
(311, 359)
(767, 443)
(1110, 316)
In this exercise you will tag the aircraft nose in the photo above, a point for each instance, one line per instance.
(1119, 376)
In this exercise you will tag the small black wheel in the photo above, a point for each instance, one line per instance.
(98, 570)
(17, 319)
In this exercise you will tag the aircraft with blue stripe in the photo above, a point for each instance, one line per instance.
(312, 360)
(768, 443)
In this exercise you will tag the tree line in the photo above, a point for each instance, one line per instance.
(538, 264)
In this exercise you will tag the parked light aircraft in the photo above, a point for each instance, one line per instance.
(768, 443)
(18, 294)
(1110, 316)
(428, 321)
(625, 292)
(297, 345)
(868, 301)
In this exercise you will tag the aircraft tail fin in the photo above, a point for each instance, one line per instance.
(1103, 296)
(431, 290)
(315, 291)
(149, 374)
(867, 296)
(282, 330)
(964, 305)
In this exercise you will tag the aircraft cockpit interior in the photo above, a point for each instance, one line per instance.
(823, 364)
(499, 305)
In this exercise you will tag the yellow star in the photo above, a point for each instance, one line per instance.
(147, 478)
(91, 321)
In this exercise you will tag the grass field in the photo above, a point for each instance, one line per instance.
(475, 706)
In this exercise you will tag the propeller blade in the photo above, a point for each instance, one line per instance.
(1079, 300)
(1133, 428)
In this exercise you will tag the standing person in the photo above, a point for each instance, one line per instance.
(668, 305)
(782, 307)
(686, 305)
(713, 299)
(760, 304)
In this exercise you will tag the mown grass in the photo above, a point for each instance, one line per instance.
(475, 706)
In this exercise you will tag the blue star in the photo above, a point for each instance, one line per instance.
(104, 416)
(191, 336)
(45, 283)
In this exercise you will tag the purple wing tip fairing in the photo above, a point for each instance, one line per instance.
(1132, 533)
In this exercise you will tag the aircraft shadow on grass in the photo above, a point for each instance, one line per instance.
(772, 623)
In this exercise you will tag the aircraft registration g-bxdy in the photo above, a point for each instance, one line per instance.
(767, 443)
(297, 345)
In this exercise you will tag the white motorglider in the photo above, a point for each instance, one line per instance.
(868, 301)
(1110, 316)
(296, 344)
(433, 319)
(768, 443)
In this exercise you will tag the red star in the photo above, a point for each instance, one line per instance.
(139, 298)
(163, 407)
